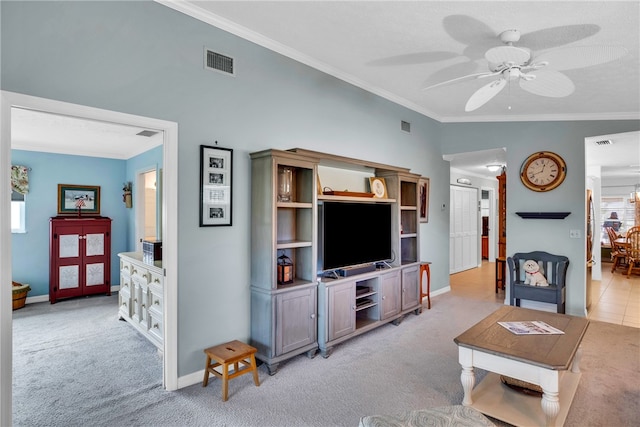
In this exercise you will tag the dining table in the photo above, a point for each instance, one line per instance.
(621, 242)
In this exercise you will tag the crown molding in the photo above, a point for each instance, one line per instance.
(194, 11)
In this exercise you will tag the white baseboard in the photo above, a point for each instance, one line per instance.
(191, 379)
(39, 298)
(441, 291)
(45, 298)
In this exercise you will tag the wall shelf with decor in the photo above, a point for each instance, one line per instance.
(543, 215)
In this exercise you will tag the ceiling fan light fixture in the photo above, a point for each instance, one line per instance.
(508, 55)
(494, 168)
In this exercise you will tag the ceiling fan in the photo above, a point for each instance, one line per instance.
(539, 75)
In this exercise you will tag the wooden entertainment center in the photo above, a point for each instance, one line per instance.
(303, 311)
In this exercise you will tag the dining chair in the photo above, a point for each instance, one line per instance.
(635, 227)
(618, 253)
(633, 251)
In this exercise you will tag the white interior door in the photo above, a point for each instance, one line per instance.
(463, 228)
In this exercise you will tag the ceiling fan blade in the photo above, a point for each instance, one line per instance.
(475, 34)
(467, 77)
(484, 94)
(570, 58)
(549, 83)
(548, 38)
(460, 69)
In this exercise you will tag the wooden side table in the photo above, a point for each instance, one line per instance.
(425, 269)
(501, 263)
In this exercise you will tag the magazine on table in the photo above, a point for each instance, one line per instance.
(531, 327)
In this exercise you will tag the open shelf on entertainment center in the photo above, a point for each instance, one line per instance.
(332, 198)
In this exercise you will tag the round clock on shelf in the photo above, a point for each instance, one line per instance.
(543, 171)
(378, 187)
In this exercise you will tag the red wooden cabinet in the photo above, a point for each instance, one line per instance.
(80, 257)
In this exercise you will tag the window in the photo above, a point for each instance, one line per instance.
(18, 224)
(617, 212)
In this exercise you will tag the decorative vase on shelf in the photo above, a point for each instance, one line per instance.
(285, 178)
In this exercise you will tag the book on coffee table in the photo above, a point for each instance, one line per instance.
(531, 327)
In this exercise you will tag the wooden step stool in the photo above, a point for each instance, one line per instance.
(235, 352)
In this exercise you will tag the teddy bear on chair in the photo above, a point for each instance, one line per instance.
(533, 275)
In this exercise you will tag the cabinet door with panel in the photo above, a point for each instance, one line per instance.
(389, 294)
(341, 308)
(295, 320)
(80, 257)
(410, 288)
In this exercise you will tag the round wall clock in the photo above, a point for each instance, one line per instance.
(378, 187)
(543, 171)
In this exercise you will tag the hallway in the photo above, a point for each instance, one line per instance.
(615, 298)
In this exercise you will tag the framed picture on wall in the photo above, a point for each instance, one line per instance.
(78, 199)
(215, 186)
(423, 203)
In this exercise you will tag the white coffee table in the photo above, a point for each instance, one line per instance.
(549, 361)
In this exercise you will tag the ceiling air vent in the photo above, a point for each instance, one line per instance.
(405, 126)
(604, 142)
(218, 62)
(146, 133)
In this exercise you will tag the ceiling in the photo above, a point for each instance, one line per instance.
(395, 49)
(53, 133)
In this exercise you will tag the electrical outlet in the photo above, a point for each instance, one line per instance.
(574, 234)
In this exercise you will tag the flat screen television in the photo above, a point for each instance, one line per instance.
(353, 234)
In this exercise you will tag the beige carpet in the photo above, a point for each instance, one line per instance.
(75, 364)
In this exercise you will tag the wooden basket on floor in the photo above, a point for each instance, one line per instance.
(19, 294)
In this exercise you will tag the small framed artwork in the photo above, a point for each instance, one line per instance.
(78, 199)
(423, 204)
(215, 186)
(378, 187)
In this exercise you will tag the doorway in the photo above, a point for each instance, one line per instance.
(611, 178)
(148, 226)
(463, 228)
(169, 226)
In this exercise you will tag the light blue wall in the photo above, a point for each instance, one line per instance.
(30, 251)
(143, 58)
(146, 59)
(521, 140)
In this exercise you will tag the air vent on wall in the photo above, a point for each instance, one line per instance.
(218, 62)
(405, 126)
(604, 142)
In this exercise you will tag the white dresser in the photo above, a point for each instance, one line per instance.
(140, 296)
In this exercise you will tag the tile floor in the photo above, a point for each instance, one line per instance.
(615, 299)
